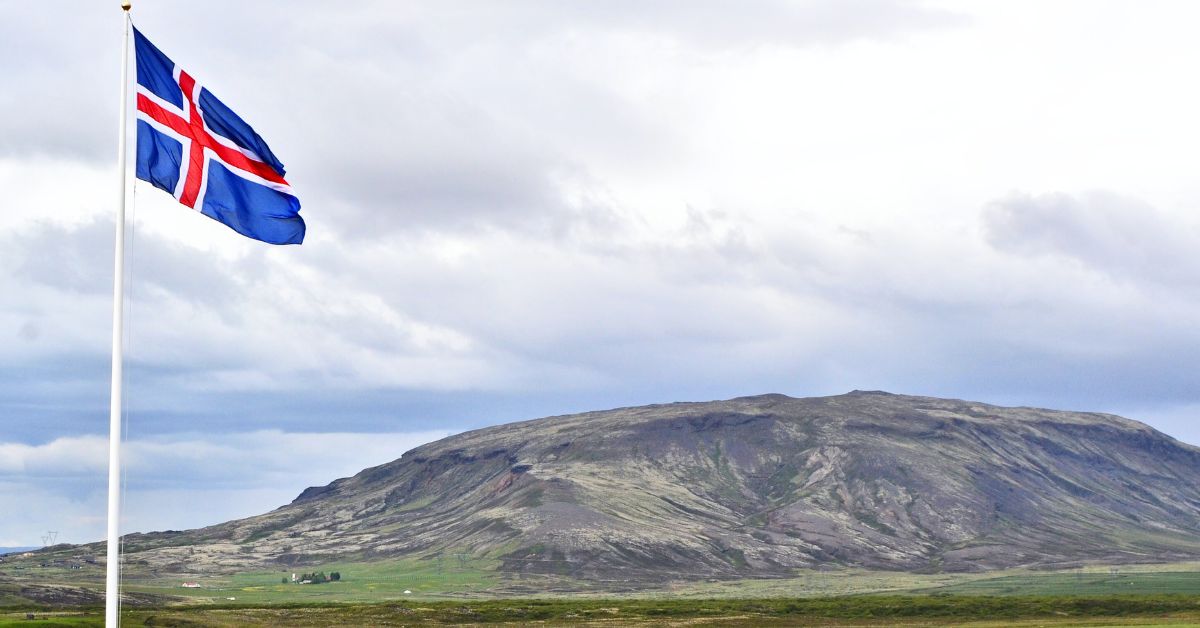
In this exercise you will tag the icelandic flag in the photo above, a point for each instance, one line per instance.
(192, 146)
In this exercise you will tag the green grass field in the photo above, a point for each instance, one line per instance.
(455, 592)
(1080, 584)
(845, 611)
(64, 620)
(361, 582)
(429, 580)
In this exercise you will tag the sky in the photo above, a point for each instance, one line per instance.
(532, 208)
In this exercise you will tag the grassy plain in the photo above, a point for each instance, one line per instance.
(458, 591)
(433, 580)
(845, 611)
(361, 582)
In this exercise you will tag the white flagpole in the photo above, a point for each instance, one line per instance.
(112, 587)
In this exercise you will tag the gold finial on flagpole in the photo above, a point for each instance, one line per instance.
(126, 5)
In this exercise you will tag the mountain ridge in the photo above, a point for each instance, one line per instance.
(313, 491)
(749, 487)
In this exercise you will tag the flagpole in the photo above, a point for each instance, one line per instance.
(112, 588)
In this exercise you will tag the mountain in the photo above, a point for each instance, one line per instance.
(750, 487)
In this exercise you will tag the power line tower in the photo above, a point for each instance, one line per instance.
(48, 538)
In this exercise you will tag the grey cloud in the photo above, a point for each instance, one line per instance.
(1120, 236)
(723, 304)
(200, 322)
(462, 149)
(59, 394)
(403, 115)
(61, 321)
(61, 77)
(428, 166)
(78, 259)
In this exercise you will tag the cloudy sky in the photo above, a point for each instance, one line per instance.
(526, 208)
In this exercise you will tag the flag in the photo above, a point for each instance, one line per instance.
(195, 148)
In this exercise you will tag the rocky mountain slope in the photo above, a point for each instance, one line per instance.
(756, 486)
